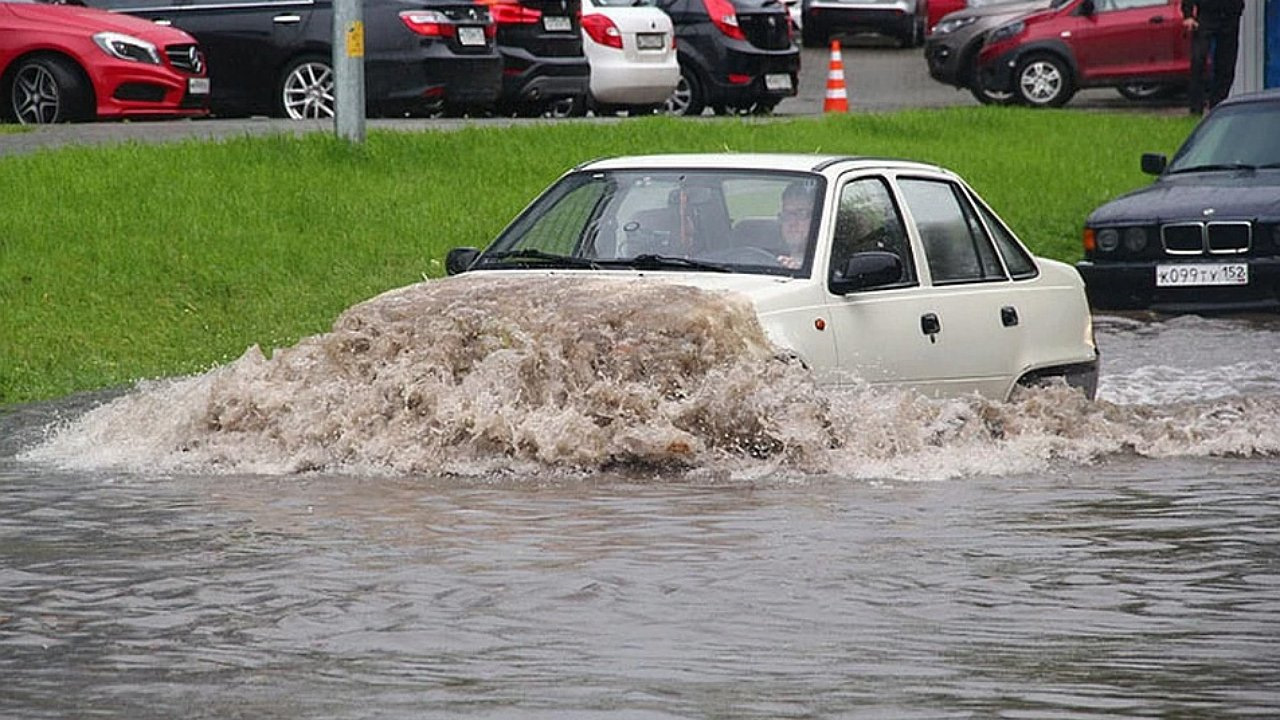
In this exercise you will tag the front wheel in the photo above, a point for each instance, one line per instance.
(987, 96)
(48, 90)
(1043, 81)
(306, 90)
(1142, 92)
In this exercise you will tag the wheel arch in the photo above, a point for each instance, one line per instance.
(1057, 49)
(6, 78)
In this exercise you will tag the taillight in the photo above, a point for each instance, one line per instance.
(428, 22)
(602, 30)
(724, 17)
(510, 13)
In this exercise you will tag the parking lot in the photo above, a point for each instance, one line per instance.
(878, 77)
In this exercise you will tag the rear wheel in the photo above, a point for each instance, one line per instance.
(1043, 81)
(688, 98)
(1141, 92)
(46, 90)
(306, 90)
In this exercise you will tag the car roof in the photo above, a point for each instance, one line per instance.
(1271, 95)
(794, 162)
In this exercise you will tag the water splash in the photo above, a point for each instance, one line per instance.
(483, 374)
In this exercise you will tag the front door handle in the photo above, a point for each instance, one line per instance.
(1009, 315)
(931, 326)
(289, 19)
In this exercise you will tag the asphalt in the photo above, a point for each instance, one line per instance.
(877, 79)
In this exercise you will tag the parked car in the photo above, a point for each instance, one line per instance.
(1206, 233)
(275, 57)
(862, 269)
(60, 63)
(544, 69)
(935, 10)
(951, 50)
(1044, 57)
(631, 47)
(736, 56)
(903, 20)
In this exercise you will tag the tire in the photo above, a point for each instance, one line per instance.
(48, 89)
(1043, 81)
(565, 107)
(989, 97)
(305, 90)
(760, 107)
(688, 98)
(1144, 92)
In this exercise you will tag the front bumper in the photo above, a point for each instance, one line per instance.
(998, 74)
(130, 89)
(944, 63)
(1128, 285)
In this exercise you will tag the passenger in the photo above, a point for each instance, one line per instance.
(795, 219)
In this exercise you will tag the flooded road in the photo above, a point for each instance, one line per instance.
(1044, 558)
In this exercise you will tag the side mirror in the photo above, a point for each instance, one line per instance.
(1087, 8)
(1153, 163)
(459, 260)
(863, 270)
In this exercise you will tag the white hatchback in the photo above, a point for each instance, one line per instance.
(888, 272)
(630, 45)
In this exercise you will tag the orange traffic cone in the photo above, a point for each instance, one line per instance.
(837, 99)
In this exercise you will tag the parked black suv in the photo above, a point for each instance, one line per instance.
(543, 67)
(735, 56)
(275, 56)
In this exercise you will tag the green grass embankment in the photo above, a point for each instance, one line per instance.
(124, 262)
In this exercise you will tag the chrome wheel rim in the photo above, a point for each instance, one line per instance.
(678, 103)
(308, 92)
(1040, 82)
(35, 96)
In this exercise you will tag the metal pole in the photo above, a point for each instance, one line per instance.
(348, 69)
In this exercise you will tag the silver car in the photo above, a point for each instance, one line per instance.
(900, 19)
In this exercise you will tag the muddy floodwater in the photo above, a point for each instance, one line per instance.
(464, 513)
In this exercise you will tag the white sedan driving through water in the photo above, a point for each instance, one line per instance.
(865, 270)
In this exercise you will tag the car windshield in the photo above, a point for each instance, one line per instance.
(716, 220)
(1233, 137)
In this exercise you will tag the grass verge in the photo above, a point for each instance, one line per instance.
(132, 261)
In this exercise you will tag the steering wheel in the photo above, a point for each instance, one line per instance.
(744, 255)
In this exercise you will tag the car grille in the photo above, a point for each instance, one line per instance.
(767, 31)
(1218, 238)
(187, 58)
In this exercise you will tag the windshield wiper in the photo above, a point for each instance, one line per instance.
(650, 261)
(535, 254)
(1215, 166)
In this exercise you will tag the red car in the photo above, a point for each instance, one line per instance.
(63, 63)
(1044, 57)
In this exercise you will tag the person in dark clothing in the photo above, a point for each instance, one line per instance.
(1215, 30)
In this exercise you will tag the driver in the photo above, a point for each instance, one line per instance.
(794, 220)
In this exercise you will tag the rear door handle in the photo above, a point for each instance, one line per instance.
(163, 22)
(289, 19)
(1157, 20)
(931, 326)
(1009, 315)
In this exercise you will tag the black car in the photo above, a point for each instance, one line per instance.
(736, 56)
(275, 56)
(543, 68)
(1206, 234)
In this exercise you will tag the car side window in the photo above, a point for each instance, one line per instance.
(955, 246)
(1016, 258)
(1112, 5)
(867, 219)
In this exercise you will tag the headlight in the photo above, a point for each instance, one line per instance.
(127, 47)
(1135, 239)
(1108, 239)
(1004, 32)
(950, 26)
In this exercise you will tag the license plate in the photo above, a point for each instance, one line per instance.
(777, 81)
(198, 86)
(470, 36)
(556, 23)
(651, 41)
(1202, 274)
